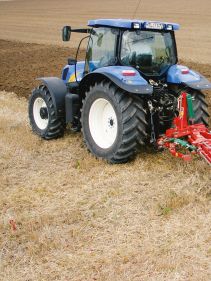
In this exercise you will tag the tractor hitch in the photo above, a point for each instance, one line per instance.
(196, 138)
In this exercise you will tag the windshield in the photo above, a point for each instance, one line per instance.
(149, 51)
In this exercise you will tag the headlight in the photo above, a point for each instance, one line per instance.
(136, 25)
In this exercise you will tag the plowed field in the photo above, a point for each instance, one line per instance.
(65, 215)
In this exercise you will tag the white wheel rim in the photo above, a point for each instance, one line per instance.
(41, 123)
(103, 123)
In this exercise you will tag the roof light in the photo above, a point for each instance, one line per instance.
(185, 71)
(169, 27)
(128, 72)
(136, 25)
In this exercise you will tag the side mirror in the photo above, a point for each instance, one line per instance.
(66, 32)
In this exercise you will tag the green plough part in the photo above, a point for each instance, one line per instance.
(191, 113)
(183, 143)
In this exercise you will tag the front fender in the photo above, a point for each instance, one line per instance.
(179, 74)
(135, 84)
(58, 91)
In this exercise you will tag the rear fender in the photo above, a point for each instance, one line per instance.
(179, 74)
(58, 91)
(135, 84)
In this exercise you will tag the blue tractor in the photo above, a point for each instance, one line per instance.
(125, 92)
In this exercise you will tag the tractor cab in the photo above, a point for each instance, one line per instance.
(149, 47)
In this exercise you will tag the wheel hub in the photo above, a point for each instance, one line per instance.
(111, 122)
(43, 113)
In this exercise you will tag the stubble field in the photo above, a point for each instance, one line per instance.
(79, 218)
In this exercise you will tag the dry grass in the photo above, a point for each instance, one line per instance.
(79, 218)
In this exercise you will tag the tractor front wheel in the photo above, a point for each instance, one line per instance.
(113, 122)
(43, 116)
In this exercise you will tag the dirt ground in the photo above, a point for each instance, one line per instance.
(40, 21)
(22, 63)
(65, 215)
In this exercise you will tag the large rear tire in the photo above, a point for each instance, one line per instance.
(113, 123)
(200, 108)
(43, 116)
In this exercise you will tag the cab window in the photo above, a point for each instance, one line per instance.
(101, 48)
(151, 52)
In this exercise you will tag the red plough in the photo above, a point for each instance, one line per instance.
(194, 137)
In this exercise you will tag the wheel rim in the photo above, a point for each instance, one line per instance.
(103, 123)
(40, 113)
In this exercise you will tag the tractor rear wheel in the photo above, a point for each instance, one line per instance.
(113, 122)
(43, 116)
(200, 108)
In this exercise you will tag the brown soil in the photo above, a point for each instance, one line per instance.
(22, 63)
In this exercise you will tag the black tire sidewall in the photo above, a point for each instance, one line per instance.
(92, 146)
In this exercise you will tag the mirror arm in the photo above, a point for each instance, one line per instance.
(79, 30)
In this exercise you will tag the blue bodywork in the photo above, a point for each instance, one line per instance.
(68, 73)
(180, 74)
(177, 74)
(135, 83)
(116, 71)
(128, 24)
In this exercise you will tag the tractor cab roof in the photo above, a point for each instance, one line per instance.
(134, 24)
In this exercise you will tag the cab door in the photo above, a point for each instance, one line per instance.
(102, 48)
